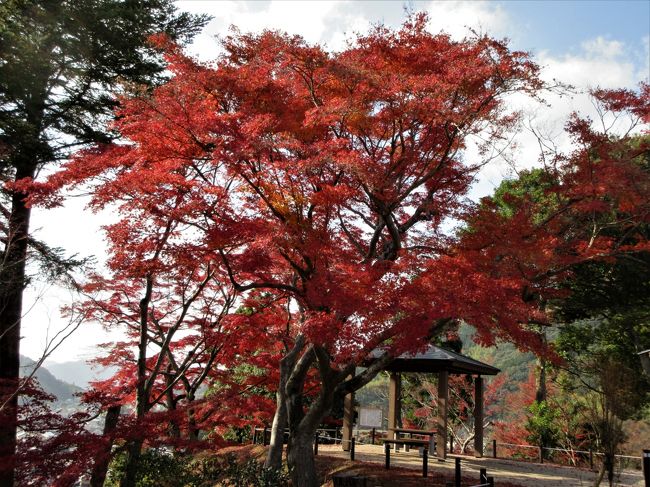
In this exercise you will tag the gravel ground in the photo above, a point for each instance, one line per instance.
(525, 474)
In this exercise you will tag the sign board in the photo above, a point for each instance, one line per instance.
(370, 417)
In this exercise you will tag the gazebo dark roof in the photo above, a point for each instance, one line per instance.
(436, 359)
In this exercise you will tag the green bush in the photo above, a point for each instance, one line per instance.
(253, 474)
(156, 468)
(161, 468)
(542, 424)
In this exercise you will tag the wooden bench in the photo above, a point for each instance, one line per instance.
(424, 444)
(347, 480)
(407, 442)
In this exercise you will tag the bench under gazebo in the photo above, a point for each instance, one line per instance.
(434, 360)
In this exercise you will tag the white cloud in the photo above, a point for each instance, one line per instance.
(324, 22)
(603, 48)
(458, 17)
(601, 62)
(598, 63)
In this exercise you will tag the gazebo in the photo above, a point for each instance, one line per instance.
(434, 360)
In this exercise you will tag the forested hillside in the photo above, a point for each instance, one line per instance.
(63, 391)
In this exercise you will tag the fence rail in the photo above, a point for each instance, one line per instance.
(511, 451)
(560, 456)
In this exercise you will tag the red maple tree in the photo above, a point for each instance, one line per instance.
(325, 179)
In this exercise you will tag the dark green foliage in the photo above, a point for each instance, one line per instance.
(60, 60)
(505, 356)
(533, 186)
(157, 468)
(161, 468)
(252, 474)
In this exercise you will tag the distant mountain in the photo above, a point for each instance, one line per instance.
(62, 390)
(79, 373)
(505, 356)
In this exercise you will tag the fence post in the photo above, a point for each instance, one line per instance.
(541, 455)
(494, 448)
(352, 442)
(387, 453)
(451, 444)
(490, 481)
(457, 473)
(264, 439)
(591, 459)
(316, 444)
(254, 435)
(646, 467)
(373, 436)
(425, 462)
(482, 476)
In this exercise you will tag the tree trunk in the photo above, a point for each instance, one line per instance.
(609, 466)
(540, 393)
(12, 283)
(599, 477)
(103, 459)
(133, 460)
(300, 457)
(287, 364)
(192, 430)
(274, 455)
(173, 429)
(280, 418)
(142, 401)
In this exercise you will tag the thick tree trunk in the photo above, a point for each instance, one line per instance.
(12, 283)
(300, 457)
(280, 418)
(103, 459)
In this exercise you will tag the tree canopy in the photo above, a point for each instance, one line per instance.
(322, 181)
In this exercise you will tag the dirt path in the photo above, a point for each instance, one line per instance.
(525, 474)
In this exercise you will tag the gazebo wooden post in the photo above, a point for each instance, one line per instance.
(348, 419)
(443, 406)
(394, 392)
(478, 416)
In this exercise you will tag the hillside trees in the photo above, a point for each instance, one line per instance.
(325, 179)
(421, 403)
(601, 306)
(58, 62)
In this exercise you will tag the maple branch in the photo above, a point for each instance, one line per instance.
(299, 372)
(174, 328)
(255, 285)
(351, 238)
(360, 380)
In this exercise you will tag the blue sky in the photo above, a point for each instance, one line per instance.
(559, 26)
(585, 43)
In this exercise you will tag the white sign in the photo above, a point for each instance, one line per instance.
(370, 417)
